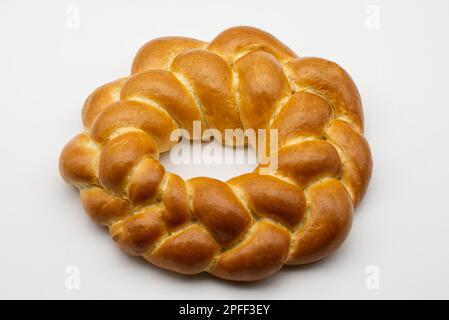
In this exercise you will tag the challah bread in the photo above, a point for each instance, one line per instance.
(249, 227)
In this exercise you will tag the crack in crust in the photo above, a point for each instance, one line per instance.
(249, 227)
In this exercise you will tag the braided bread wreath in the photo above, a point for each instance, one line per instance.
(249, 227)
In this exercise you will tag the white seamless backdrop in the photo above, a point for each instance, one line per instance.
(54, 53)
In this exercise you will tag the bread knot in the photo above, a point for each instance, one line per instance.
(250, 226)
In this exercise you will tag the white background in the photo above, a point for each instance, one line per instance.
(397, 53)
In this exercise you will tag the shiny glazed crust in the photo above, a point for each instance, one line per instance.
(249, 227)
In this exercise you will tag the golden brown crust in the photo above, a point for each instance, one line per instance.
(191, 251)
(330, 80)
(144, 181)
(120, 155)
(222, 213)
(305, 114)
(156, 54)
(78, 160)
(357, 163)
(212, 80)
(102, 207)
(138, 233)
(100, 99)
(249, 227)
(176, 202)
(328, 224)
(126, 114)
(262, 254)
(238, 40)
(271, 197)
(307, 161)
(165, 89)
(262, 84)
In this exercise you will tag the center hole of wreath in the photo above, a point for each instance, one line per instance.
(208, 159)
